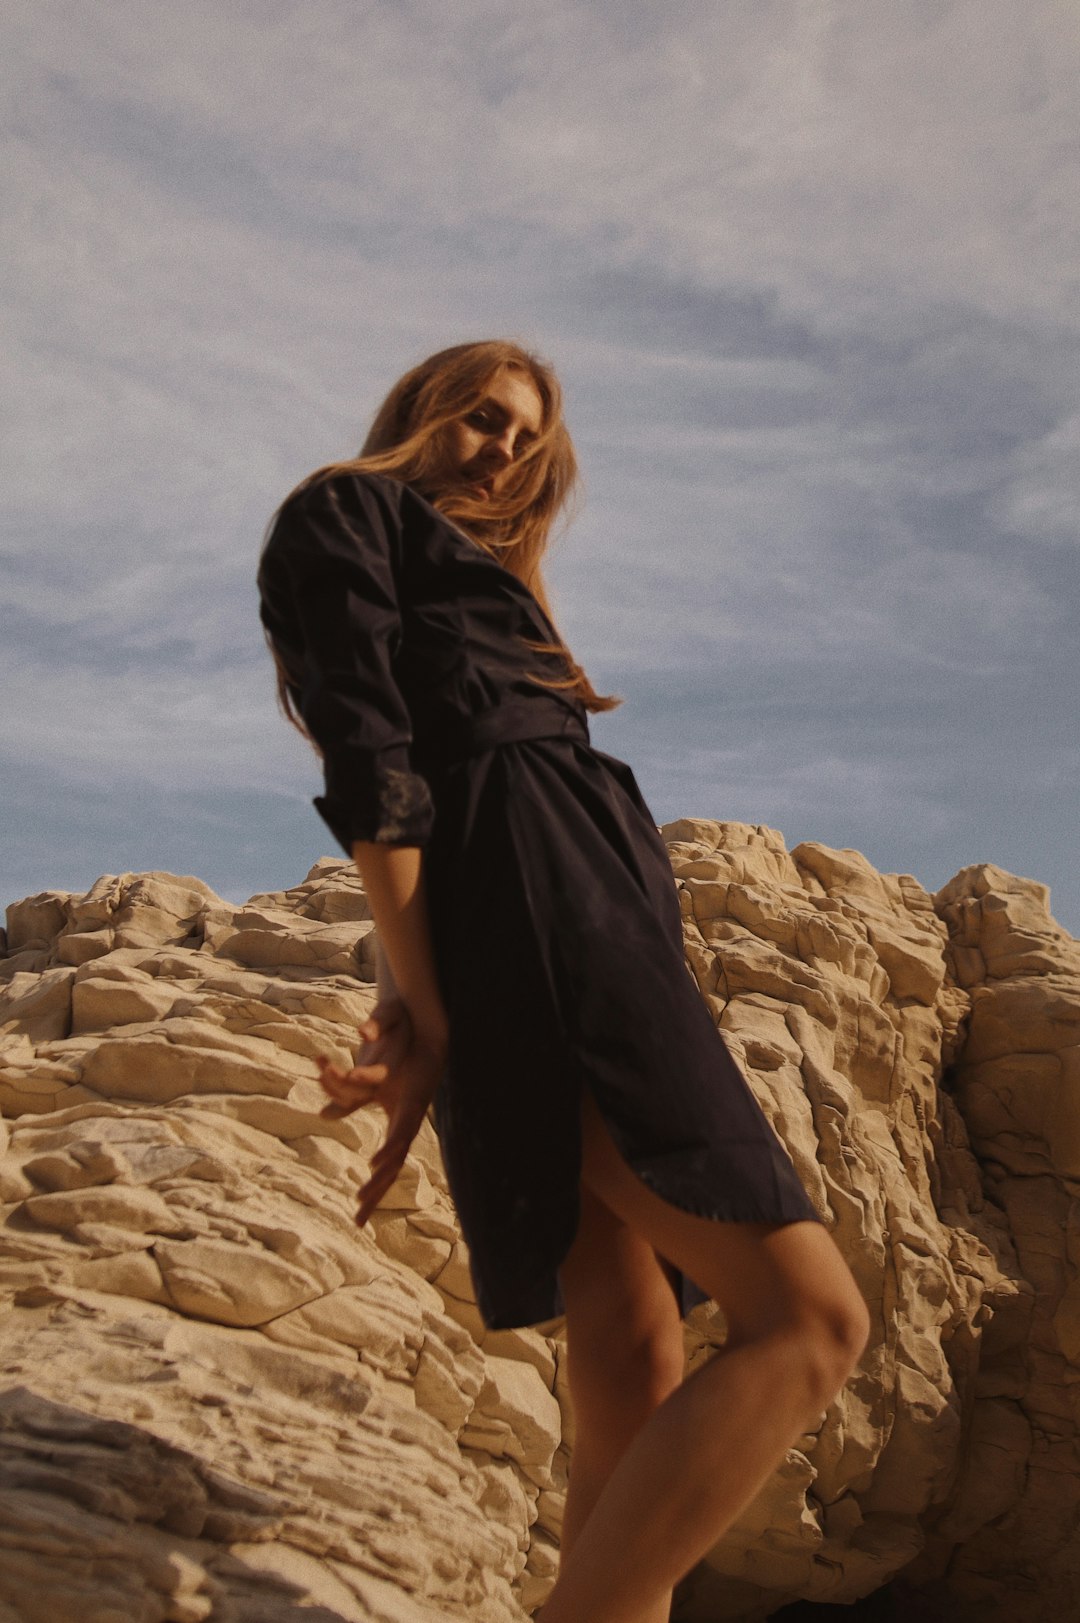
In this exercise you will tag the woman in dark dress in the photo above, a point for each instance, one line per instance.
(606, 1157)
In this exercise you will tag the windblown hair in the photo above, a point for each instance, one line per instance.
(409, 441)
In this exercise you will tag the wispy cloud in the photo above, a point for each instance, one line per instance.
(1040, 495)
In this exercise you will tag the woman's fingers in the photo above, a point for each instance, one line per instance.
(400, 1074)
(347, 1095)
(335, 1111)
(368, 1075)
(349, 1092)
(344, 1105)
(395, 1148)
(376, 1187)
(388, 1160)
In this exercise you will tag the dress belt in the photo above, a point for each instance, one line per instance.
(509, 723)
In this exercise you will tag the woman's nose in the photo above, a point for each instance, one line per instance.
(502, 447)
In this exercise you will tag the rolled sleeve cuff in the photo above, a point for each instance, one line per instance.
(377, 798)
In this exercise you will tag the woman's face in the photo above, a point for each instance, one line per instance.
(487, 441)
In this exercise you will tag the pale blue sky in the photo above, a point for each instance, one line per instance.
(809, 274)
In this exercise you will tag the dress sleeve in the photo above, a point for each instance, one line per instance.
(329, 595)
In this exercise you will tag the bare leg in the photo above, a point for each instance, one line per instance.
(625, 1349)
(797, 1328)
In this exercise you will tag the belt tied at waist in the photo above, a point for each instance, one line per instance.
(509, 723)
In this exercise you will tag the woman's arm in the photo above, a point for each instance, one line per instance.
(386, 987)
(406, 1081)
(328, 584)
(394, 881)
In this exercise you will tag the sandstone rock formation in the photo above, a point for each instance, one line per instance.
(222, 1400)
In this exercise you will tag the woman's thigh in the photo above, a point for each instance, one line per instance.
(624, 1331)
(612, 1278)
(766, 1277)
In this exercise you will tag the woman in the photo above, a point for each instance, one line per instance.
(606, 1157)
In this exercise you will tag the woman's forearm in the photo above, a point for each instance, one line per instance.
(386, 987)
(394, 881)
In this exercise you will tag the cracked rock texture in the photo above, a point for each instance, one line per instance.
(222, 1400)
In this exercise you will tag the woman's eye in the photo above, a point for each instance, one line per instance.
(478, 419)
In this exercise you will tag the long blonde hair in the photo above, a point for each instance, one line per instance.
(408, 441)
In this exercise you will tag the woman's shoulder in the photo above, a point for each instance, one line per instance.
(331, 519)
(347, 511)
(334, 503)
(334, 485)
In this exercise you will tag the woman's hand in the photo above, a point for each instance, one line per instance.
(386, 1033)
(398, 1068)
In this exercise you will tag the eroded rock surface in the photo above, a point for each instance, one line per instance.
(222, 1400)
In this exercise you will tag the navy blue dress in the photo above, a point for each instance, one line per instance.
(554, 915)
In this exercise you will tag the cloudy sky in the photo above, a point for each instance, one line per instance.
(808, 270)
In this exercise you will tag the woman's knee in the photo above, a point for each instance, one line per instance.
(812, 1304)
(624, 1329)
(653, 1360)
(633, 1333)
(802, 1346)
(837, 1314)
(617, 1384)
(833, 1337)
